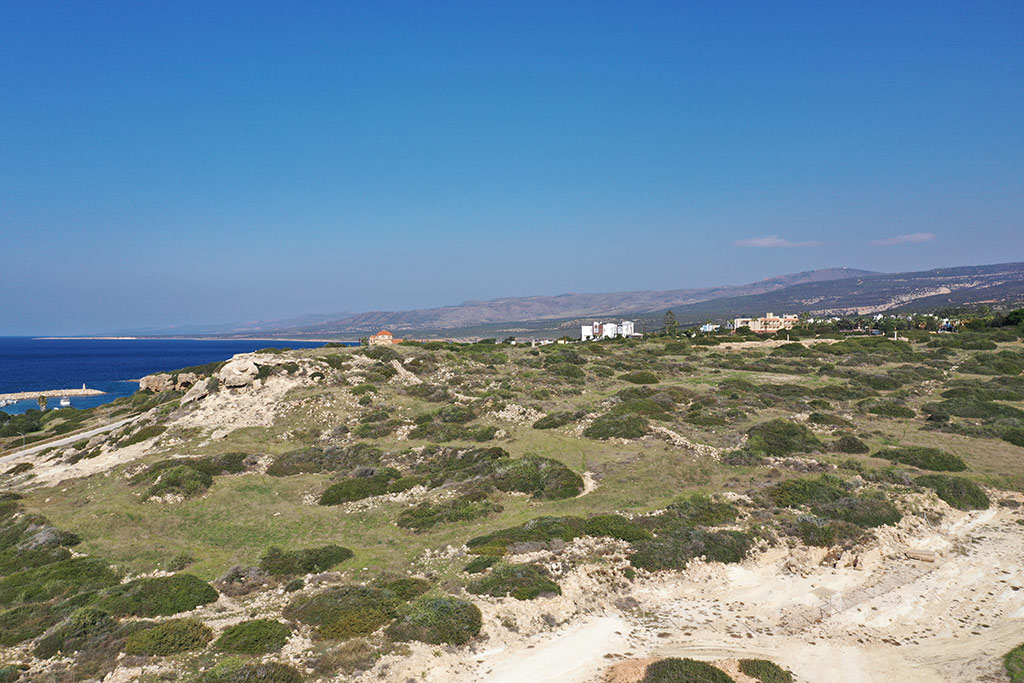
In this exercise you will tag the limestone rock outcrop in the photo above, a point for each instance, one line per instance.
(238, 373)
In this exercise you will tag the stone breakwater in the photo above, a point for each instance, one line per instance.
(50, 393)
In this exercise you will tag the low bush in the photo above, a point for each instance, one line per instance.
(480, 563)
(543, 478)
(254, 637)
(781, 437)
(1013, 662)
(83, 624)
(429, 514)
(674, 549)
(344, 611)
(864, 512)
(521, 581)
(147, 432)
(373, 482)
(847, 443)
(334, 459)
(168, 638)
(823, 533)
(765, 671)
(233, 670)
(157, 597)
(555, 419)
(826, 488)
(963, 494)
(437, 620)
(674, 670)
(403, 587)
(182, 480)
(614, 425)
(616, 526)
(828, 420)
(924, 458)
(697, 509)
(890, 409)
(26, 622)
(538, 530)
(56, 580)
(742, 458)
(640, 377)
(277, 562)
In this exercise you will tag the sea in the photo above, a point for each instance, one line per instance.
(110, 365)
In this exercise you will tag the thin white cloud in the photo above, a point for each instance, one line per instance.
(913, 238)
(774, 241)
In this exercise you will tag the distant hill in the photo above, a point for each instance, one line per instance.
(869, 294)
(839, 291)
(471, 314)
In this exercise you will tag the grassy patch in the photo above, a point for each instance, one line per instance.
(924, 458)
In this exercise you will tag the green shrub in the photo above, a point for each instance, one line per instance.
(963, 494)
(277, 562)
(765, 671)
(374, 483)
(168, 638)
(567, 371)
(1014, 664)
(182, 480)
(538, 530)
(313, 459)
(674, 670)
(698, 509)
(890, 409)
(555, 419)
(254, 637)
(614, 425)
(616, 526)
(521, 581)
(462, 508)
(26, 622)
(403, 587)
(742, 458)
(824, 533)
(480, 563)
(141, 435)
(344, 611)
(781, 437)
(847, 443)
(233, 670)
(640, 377)
(456, 414)
(157, 597)
(924, 458)
(826, 488)
(543, 478)
(437, 620)
(83, 624)
(864, 512)
(674, 549)
(56, 580)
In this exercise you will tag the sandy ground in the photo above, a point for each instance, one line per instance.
(867, 618)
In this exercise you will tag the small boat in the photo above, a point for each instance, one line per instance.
(65, 402)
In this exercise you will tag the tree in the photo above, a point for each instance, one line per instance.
(669, 323)
(42, 402)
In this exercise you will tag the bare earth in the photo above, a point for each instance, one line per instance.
(895, 619)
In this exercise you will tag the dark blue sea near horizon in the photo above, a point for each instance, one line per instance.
(28, 364)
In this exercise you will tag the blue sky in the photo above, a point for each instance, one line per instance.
(170, 163)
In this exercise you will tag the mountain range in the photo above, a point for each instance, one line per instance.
(840, 291)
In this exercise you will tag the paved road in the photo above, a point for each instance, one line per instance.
(68, 440)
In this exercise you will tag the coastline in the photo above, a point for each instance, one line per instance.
(283, 339)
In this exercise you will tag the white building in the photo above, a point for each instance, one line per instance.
(599, 330)
(768, 324)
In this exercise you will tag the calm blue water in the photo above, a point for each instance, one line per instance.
(28, 364)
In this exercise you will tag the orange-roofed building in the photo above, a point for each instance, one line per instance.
(383, 337)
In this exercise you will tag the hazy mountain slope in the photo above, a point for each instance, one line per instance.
(870, 294)
(472, 313)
